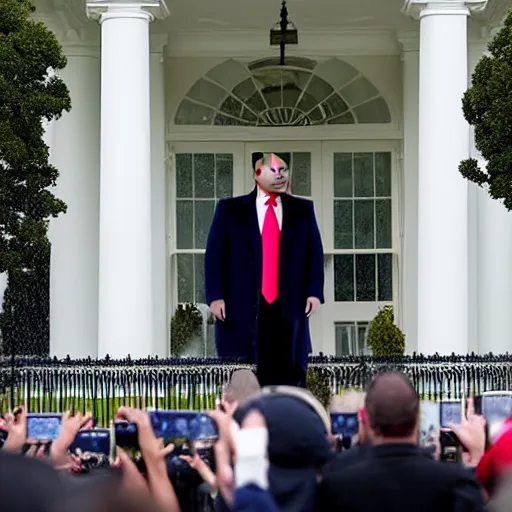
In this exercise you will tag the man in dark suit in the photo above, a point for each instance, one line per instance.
(396, 474)
(264, 274)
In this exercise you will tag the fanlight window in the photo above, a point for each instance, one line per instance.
(302, 93)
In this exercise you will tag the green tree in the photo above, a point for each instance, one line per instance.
(487, 106)
(28, 95)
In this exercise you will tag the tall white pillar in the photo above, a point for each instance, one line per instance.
(494, 257)
(409, 217)
(442, 197)
(159, 197)
(75, 152)
(125, 323)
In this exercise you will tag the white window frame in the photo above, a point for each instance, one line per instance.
(348, 312)
(237, 150)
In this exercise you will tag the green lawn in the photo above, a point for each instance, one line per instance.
(104, 409)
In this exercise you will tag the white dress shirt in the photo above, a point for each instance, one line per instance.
(261, 208)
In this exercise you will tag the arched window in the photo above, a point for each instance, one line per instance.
(263, 93)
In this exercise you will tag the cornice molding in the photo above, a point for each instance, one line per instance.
(72, 49)
(240, 44)
(156, 8)
(416, 9)
(409, 40)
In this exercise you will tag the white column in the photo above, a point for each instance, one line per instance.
(159, 197)
(443, 193)
(74, 234)
(494, 257)
(125, 324)
(409, 300)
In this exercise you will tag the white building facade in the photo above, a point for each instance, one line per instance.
(169, 104)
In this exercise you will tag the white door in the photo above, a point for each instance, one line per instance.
(361, 239)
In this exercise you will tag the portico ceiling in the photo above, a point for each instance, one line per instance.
(205, 16)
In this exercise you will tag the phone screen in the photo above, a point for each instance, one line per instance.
(496, 408)
(344, 424)
(181, 426)
(43, 427)
(450, 412)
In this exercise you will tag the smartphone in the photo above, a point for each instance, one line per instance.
(179, 426)
(451, 450)
(496, 408)
(94, 447)
(125, 435)
(43, 426)
(344, 424)
(450, 411)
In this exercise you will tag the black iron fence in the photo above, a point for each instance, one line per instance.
(47, 385)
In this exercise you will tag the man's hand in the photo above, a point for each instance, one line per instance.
(312, 304)
(218, 309)
(16, 427)
(471, 434)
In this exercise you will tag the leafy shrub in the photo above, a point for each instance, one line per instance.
(384, 338)
(186, 326)
(318, 384)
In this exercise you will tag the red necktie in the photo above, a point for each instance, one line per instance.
(270, 239)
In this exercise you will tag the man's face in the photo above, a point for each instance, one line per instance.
(272, 174)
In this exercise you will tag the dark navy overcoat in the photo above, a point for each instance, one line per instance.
(233, 266)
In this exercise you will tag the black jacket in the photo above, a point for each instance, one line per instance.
(399, 478)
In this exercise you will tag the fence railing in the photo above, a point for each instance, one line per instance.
(47, 385)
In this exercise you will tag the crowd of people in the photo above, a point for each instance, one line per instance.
(274, 452)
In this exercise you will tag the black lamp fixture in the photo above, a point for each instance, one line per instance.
(283, 32)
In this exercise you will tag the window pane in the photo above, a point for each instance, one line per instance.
(383, 223)
(185, 264)
(345, 334)
(184, 175)
(204, 168)
(203, 219)
(200, 294)
(375, 111)
(344, 278)
(385, 276)
(363, 175)
(364, 224)
(184, 225)
(232, 107)
(383, 174)
(362, 331)
(358, 91)
(365, 278)
(224, 176)
(207, 92)
(343, 175)
(343, 224)
(190, 113)
(301, 174)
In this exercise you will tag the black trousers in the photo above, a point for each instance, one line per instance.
(275, 349)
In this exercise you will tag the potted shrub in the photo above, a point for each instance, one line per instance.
(186, 329)
(385, 339)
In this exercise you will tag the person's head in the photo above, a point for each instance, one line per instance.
(242, 386)
(271, 171)
(298, 446)
(391, 412)
(351, 403)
